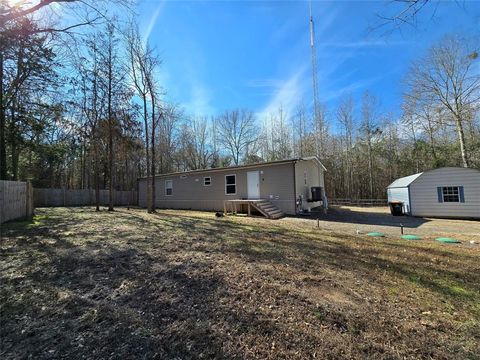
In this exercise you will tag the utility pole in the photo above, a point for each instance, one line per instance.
(314, 80)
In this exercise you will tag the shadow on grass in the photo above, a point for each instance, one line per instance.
(109, 291)
(104, 299)
(289, 247)
(346, 215)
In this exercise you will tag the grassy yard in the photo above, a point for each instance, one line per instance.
(181, 285)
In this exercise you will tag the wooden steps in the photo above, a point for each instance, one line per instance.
(265, 207)
(268, 209)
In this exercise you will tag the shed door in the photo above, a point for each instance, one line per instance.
(253, 184)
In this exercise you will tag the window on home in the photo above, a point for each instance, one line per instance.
(168, 187)
(451, 194)
(230, 184)
(207, 181)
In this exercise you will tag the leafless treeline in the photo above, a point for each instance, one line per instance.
(94, 115)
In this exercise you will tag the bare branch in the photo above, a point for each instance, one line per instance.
(16, 14)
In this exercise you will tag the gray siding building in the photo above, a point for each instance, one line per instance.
(445, 192)
(280, 182)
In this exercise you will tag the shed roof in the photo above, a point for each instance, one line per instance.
(404, 181)
(277, 162)
(407, 180)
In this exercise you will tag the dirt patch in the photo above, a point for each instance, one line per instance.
(187, 285)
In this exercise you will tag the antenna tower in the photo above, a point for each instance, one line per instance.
(314, 80)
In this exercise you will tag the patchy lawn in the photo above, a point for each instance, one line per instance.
(180, 285)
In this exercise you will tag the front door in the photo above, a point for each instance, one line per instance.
(253, 184)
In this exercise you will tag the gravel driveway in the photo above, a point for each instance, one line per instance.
(353, 220)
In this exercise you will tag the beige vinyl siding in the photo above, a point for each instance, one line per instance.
(424, 198)
(189, 192)
(277, 185)
(307, 174)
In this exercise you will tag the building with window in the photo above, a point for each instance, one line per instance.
(445, 192)
(286, 184)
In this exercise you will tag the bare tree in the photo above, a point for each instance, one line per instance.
(195, 150)
(445, 78)
(299, 130)
(282, 138)
(91, 107)
(426, 117)
(345, 118)
(200, 141)
(166, 135)
(236, 131)
(110, 60)
(320, 130)
(151, 63)
(400, 13)
(214, 141)
(369, 129)
(78, 12)
(141, 70)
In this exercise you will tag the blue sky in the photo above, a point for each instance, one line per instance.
(220, 55)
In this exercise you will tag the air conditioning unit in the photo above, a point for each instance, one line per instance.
(316, 193)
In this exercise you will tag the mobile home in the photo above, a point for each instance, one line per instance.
(286, 184)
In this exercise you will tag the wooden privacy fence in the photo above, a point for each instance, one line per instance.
(82, 197)
(16, 200)
(359, 202)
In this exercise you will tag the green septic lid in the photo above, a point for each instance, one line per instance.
(378, 234)
(447, 240)
(411, 237)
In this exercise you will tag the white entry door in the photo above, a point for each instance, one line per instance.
(253, 184)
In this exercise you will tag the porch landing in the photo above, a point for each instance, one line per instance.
(264, 207)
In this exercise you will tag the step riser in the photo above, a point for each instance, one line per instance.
(275, 214)
(268, 209)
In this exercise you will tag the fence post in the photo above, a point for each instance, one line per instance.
(28, 200)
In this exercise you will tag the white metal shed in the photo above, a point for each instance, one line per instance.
(445, 192)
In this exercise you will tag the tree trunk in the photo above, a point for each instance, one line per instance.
(97, 175)
(3, 150)
(84, 165)
(147, 154)
(153, 150)
(110, 129)
(110, 140)
(370, 166)
(432, 143)
(415, 153)
(461, 139)
(13, 143)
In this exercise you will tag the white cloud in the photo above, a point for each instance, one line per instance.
(153, 21)
(200, 96)
(264, 83)
(287, 95)
(329, 95)
(323, 21)
(364, 44)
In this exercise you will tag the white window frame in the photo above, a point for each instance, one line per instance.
(209, 180)
(235, 184)
(448, 193)
(171, 187)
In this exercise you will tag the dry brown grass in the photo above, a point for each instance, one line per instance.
(184, 285)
